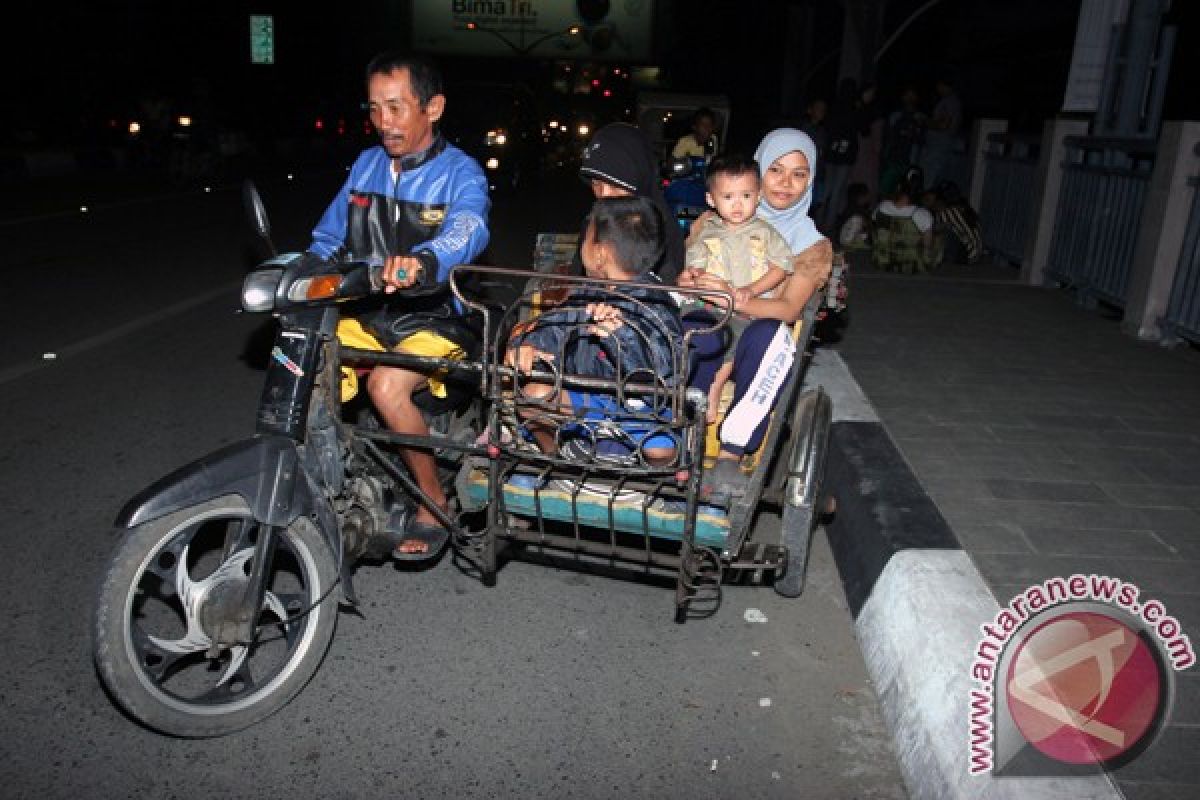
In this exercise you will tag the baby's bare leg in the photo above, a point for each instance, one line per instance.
(714, 391)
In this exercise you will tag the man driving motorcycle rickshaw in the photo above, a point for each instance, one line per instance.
(417, 205)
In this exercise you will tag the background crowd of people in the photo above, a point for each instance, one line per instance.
(888, 190)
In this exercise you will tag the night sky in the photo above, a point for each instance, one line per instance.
(91, 61)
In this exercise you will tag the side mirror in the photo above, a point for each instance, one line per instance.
(258, 215)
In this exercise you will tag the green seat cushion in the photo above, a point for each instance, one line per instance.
(662, 519)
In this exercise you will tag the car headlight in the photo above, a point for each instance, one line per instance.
(492, 163)
(258, 290)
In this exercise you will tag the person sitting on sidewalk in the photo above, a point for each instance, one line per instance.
(739, 247)
(903, 234)
(964, 242)
(854, 233)
(618, 333)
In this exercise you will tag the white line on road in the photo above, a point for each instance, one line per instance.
(82, 346)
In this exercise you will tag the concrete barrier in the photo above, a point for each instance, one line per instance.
(918, 603)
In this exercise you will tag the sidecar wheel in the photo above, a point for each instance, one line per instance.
(168, 587)
(798, 523)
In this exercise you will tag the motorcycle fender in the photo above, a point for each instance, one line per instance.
(811, 422)
(265, 471)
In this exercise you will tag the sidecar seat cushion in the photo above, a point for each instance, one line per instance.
(589, 504)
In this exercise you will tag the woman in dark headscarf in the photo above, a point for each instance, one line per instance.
(620, 161)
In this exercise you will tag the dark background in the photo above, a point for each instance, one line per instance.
(77, 68)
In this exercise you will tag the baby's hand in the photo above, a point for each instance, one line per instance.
(688, 276)
(740, 296)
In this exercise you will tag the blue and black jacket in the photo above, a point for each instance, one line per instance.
(436, 208)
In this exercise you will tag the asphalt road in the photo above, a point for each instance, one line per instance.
(124, 360)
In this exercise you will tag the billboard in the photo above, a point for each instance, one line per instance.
(590, 30)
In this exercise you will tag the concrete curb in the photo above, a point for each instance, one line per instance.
(918, 603)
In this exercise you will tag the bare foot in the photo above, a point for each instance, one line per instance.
(413, 547)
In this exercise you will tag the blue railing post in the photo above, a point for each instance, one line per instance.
(1099, 213)
(1164, 292)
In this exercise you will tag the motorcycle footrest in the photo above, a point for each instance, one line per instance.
(758, 555)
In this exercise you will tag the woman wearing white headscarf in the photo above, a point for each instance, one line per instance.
(787, 161)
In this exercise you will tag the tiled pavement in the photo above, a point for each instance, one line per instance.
(1052, 443)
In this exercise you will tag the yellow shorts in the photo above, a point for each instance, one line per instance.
(422, 343)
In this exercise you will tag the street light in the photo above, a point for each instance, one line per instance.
(524, 49)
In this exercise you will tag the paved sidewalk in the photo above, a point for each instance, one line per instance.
(1052, 444)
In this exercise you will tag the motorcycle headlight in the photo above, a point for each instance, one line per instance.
(679, 168)
(258, 290)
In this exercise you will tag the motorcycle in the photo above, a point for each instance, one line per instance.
(685, 189)
(219, 603)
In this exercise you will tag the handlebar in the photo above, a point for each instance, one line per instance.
(290, 281)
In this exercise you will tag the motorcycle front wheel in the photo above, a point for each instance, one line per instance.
(171, 585)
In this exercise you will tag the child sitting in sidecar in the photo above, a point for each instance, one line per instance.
(625, 334)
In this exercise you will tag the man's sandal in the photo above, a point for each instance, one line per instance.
(433, 535)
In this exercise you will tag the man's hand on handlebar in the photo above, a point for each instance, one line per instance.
(401, 272)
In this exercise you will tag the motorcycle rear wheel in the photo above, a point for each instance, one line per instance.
(169, 584)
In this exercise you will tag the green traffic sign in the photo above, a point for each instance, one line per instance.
(262, 39)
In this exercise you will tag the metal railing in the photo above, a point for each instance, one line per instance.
(1099, 214)
(1183, 310)
(1010, 183)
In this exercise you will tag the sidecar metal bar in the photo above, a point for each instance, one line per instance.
(538, 281)
(613, 491)
(610, 552)
(725, 305)
(414, 440)
(577, 489)
(646, 503)
(437, 364)
(409, 360)
(625, 471)
(410, 486)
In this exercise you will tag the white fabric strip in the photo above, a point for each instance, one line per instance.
(755, 404)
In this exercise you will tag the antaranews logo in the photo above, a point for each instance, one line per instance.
(1075, 675)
